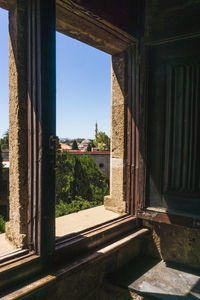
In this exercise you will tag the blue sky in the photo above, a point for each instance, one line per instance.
(83, 88)
(4, 120)
(82, 84)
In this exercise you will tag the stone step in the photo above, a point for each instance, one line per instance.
(148, 278)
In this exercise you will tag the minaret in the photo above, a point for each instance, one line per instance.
(96, 129)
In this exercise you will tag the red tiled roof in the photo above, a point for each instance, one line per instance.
(88, 152)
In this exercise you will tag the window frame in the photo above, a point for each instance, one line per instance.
(22, 264)
(113, 41)
(42, 155)
(41, 151)
(41, 105)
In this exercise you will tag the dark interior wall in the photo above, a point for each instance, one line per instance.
(165, 19)
(127, 15)
(170, 20)
(172, 72)
(162, 18)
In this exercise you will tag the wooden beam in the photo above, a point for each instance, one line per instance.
(76, 22)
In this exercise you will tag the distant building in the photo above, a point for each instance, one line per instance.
(64, 147)
(5, 159)
(84, 144)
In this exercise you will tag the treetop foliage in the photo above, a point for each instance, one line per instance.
(4, 142)
(74, 145)
(102, 141)
(1, 169)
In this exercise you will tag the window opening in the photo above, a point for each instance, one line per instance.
(83, 129)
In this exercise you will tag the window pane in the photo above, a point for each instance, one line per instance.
(83, 128)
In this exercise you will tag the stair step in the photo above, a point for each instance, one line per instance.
(153, 279)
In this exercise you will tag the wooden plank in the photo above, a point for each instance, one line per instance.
(77, 22)
(7, 4)
(169, 218)
(18, 269)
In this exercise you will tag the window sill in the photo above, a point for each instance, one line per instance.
(82, 220)
(20, 265)
(161, 215)
(110, 256)
(71, 246)
(6, 246)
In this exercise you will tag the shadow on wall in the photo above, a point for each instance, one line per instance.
(176, 244)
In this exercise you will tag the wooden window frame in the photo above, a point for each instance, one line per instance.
(41, 131)
(71, 20)
(41, 124)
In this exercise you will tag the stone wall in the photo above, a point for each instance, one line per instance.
(172, 243)
(16, 228)
(116, 201)
(103, 162)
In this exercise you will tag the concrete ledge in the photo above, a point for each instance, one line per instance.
(83, 219)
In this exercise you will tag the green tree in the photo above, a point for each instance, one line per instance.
(58, 146)
(89, 148)
(2, 224)
(2, 221)
(1, 169)
(98, 181)
(102, 141)
(64, 177)
(4, 142)
(79, 183)
(74, 145)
